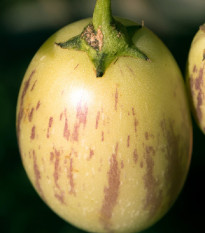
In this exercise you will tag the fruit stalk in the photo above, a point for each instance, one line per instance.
(102, 15)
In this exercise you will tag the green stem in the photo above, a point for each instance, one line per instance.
(102, 15)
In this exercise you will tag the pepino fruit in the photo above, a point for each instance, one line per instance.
(103, 124)
(196, 77)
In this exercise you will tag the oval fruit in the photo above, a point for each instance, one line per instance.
(196, 77)
(107, 154)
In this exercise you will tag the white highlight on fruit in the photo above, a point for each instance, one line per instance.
(79, 95)
(87, 174)
(93, 170)
(42, 58)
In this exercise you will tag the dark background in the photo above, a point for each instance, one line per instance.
(24, 26)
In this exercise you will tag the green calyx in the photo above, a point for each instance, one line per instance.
(105, 39)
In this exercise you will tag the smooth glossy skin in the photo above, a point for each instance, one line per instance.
(107, 154)
(196, 77)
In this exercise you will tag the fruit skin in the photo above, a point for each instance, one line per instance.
(107, 154)
(195, 77)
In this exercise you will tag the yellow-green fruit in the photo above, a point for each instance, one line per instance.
(107, 154)
(196, 76)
